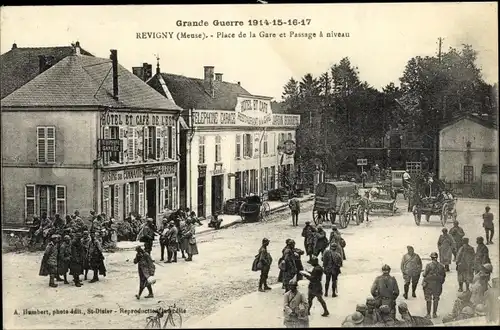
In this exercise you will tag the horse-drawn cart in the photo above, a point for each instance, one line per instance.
(381, 198)
(254, 209)
(332, 199)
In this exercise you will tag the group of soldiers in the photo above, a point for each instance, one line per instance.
(72, 247)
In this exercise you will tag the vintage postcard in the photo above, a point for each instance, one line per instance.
(260, 165)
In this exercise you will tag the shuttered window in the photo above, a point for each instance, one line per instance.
(106, 205)
(173, 146)
(116, 202)
(218, 150)
(166, 142)
(29, 201)
(141, 198)
(158, 146)
(174, 192)
(247, 145)
(238, 146)
(126, 200)
(145, 144)
(123, 144)
(46, 144)
(107, 135)
(265, 149)
(61, 200)
(131, 144)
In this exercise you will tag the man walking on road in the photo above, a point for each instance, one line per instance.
(315, 286)
(294, 205)
(411, 267)
(308, 234)
(332, 261)
(446, 245)
(265, 261)
(457, 233)
(488, 225)
(434, 277)
(465, 265)
(385, 290)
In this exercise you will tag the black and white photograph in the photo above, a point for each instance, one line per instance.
(249, 165)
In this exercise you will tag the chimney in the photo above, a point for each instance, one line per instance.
(14, 46)
(209, 80)
(77, 49)
(138, 71)
(42, 63)
(218, 77)
(114, 59)
(239, 84)
(147, 71)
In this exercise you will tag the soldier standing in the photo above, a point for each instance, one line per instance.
(434, 277)
(482, 255)
(457, 233)
(315, 287)
(265, 261)
(385, 290)
(308, 234)
(294, 205)
(332, 261)
(465, 265)
(446, 245)
(411, 267)
(488, 225)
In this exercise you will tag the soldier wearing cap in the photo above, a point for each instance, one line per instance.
(95, 258)
(410, 320)
(320, 241)
(163, 241)
(492, 302)
(77, 260)
(463, 300)
(171, 239)
(295, 307)
(332, 262)
(49, 261)
(465, 264)
(434, 276)
(488, 225)
(482, 255)
(372, 313)
(148, 235)
(315, 288)
(411, 267)
(336, 237)
(385, 290)
(63, 259)
(458, 234)
(264, 264)
(308, 234)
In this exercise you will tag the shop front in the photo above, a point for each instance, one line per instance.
(146, 191)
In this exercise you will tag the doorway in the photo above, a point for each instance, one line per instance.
(151, 198)
(217, 193)
(201, 197)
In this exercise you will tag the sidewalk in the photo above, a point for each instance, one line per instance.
(229, 220)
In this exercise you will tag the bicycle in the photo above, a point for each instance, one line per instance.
(173, 320)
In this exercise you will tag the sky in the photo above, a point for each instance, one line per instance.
(382, 37)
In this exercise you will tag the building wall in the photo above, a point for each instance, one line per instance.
(229, 164)
(454, 153)
(75, 150)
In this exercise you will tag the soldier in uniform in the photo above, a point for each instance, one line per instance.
(265, 261)
(434, 276)
(372, 313)
(482, 255)
(411, 267)
(387, 317)
(315, 287)
(332, 261)
(465, 265)
(308, 234)
(463, 300)
(385, 290)
(355, 320)
(457, 233)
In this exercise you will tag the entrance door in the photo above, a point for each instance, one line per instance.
(151, 198)
(201, 197)
(217, 194)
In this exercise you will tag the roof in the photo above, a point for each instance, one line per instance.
(20, 65)
(191, 93)
(489, 123)
(80, 80)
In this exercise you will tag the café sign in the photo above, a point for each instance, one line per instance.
(139, 173)
(136, 119)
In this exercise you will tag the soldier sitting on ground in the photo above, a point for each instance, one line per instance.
(462, 301)
(354, 321)
(409, 320)
(466, 313)
(387, 320)
(360, 308)
(372, 313)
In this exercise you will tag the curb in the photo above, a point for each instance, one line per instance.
(209, 230)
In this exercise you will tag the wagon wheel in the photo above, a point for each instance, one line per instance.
(417, 214)
(317, 218)
(444, 215)
(344, 215)
(265, 210)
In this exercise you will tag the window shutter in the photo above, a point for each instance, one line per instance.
(105, 200)
(41, 144)
(127, 206)
(116, 209)
(145, 143)
(237, 146)
(256, 150)
(174, 193)
(158, 142)
(51, 145)
(166, 147)
(123, 142)
(61, 200)
(162, 194)
(141, 198)
(174, 142)
(136, 143)
(130, 146)
(105, 156)
(29, 201)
